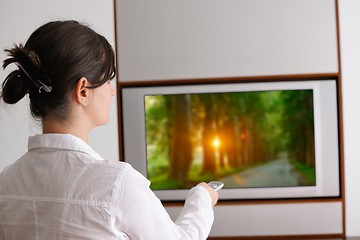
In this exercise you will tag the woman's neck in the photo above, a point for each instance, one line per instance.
(52, 125)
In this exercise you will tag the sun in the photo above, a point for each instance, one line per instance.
(216, 142)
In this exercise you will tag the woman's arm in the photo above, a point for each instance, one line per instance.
(141, 215)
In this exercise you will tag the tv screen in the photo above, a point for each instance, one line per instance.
(263, 140)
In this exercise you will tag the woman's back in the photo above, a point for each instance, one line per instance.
(43, 194)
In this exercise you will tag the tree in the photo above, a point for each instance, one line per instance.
(180, 148)
(209, 132)
(299, 123)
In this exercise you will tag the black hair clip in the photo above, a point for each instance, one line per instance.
(40, 85)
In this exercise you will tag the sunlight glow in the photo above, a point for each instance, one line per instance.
(216, 142)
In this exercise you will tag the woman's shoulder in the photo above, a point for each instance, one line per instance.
(122, 177)
(120, 169)
(110, 166)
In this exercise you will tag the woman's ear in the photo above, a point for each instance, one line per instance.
(82, 93)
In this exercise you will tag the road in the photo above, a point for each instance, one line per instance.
(278, 173)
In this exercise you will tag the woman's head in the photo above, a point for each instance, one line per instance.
(55, 57)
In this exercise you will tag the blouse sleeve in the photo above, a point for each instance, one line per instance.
(141, 215)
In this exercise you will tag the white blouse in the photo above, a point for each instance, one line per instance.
(62, 189)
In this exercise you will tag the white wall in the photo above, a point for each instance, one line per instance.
(350, 60)
(174, 39)
(18, 19)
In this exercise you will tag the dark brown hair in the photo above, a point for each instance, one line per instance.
(57, 55)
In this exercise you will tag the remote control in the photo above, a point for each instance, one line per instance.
(216, 185)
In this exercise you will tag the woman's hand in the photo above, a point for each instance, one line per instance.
(213, 194)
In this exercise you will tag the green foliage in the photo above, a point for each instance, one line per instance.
(308, 173)
(156, 130)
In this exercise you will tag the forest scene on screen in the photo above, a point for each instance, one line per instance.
(244, 139)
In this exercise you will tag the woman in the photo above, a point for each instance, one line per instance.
(61, 188)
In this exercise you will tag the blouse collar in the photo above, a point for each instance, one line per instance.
(61, 141)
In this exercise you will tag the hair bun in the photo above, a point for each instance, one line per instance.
(19, 82)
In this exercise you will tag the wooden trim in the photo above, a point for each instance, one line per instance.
(261, 201)
(340, 117)
(173, 82)
(120, 122)
(283, 237)
(118, 99)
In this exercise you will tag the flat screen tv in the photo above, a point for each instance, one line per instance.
(264, 140)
